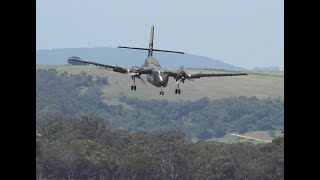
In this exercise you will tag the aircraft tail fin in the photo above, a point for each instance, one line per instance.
(150, 52)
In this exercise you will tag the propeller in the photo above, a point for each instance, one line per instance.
(142, 80)
(137, 74)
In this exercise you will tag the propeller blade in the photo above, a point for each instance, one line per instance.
(142, 80)
(181, 68)
(132, 74)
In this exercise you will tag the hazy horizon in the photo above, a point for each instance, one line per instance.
(244, 33)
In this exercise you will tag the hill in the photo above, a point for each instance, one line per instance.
(70, 95)
(259, 84)
(127, 57)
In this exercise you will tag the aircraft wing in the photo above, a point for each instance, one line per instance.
(171, 73)
(200, 75)
(77, 61)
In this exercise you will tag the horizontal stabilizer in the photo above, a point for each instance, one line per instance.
(74, 60)
(148, 49)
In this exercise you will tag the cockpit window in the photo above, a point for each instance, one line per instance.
(162, 72)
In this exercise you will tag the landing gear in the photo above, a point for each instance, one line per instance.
(178, 91)
(134, 87)
(161, 92)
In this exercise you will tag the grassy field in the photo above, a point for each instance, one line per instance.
(255, 134)
(259, 84)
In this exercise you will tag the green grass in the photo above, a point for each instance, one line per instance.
(257, 84)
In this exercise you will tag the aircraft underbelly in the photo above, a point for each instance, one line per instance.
(157, 81)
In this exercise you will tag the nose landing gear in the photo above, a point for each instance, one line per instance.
(161, 91)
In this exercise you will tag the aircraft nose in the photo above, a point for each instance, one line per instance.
(163, 79)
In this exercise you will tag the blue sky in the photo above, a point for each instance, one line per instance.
(246, 33)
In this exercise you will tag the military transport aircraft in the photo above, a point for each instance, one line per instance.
(156, 75)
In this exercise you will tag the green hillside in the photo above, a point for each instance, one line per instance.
(257, 83)
(72, 95)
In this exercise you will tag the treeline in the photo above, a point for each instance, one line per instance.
(70, 96)
(206, 118)
(87, 148)
(67, 95)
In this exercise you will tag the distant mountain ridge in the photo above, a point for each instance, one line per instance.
(128, 58)
(270, 68)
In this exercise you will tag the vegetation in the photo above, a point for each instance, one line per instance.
(81, 136)
(75, 95)
(87, 148)
(67, 95)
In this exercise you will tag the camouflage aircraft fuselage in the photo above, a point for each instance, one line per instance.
(157, 76)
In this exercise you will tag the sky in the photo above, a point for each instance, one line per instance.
(246, 33)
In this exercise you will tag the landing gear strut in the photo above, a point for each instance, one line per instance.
(134, 87)
(178, 91)
(161, 92)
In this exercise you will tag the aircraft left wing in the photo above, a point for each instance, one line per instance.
(74, 60)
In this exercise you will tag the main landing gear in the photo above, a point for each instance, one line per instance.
(178, 91)
(134, 87)
(161, 92)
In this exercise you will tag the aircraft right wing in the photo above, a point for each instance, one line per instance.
(200, 75)
(74, 60)
(183, 75)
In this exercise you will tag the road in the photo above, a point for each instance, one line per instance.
(247, 137)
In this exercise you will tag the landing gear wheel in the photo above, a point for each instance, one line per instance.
(131, 88)
(176, 91)
(162, 93)
(135, 88)
(179, 91)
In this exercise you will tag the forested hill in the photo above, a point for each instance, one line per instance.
(79, 136)
(128, 58)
